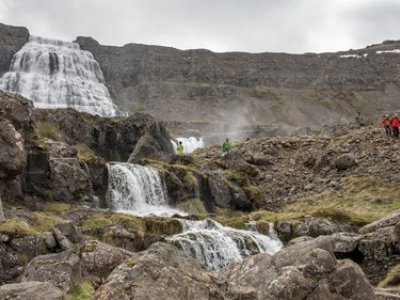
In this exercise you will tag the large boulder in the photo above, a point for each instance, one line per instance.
(99, 259)
(219, 189)
(31, 290)
(345, 161)
(304, 270)
(61, 269)
(161, 272)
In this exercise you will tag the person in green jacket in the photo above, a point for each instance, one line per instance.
(180, 149)
(226, 146)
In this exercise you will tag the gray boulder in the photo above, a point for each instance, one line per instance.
(99, 259)
(219, 190)
(61, 269)
(345, 161)
(31, 290)
(390, 220)
(161, 272)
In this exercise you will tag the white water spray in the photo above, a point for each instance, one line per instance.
(189, 144)
(57, 74)
(217, 246)
(137, 190)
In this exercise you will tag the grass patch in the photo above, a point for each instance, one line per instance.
(85, 154)
(42, 221)
(16, 228)
(234, 222)
(392, 278)
(83, 291)
(254, 194)
(56, 208)
(47, 130)
(193, 206)
(161, 226)
(361, 201)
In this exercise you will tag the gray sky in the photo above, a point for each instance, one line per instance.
(293, 26)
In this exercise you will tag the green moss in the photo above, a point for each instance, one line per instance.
(190, 180)
(193, 206)
(167, 226)
(42, 221)
(235, 222)
(17, 228)
(56, 208)
(254, 194)
(83, 291)
(85, 154)
(235, 177)
(126, 221)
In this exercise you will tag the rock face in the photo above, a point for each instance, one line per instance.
(62, 269)
(31, 290)
(328, 88)
(161, 272)
(306, 270)
(11, 40)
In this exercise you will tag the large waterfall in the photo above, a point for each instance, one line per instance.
(57, 74)
(137, 190)
(217, 246)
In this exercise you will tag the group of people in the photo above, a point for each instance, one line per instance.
(226, 148)
(391, 123)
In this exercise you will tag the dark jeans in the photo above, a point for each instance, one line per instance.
(387, 130)
(395, 132)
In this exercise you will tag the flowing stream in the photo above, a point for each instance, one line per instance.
(58, 74)
(216, 246)
(138, 190)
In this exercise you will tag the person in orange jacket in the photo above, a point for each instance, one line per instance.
(395, 123)
(386, 124)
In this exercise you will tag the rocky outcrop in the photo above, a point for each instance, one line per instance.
(1, 212)
(99, 259)
(305, 270)
(61, 269)
(328, 87)
(31, 290)
(161, 272)
(11, 40)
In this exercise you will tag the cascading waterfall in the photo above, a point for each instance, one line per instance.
(217, 246)
(137, 190)
(57, 74)
(189, 144)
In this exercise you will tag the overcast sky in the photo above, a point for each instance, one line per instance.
(293, 26)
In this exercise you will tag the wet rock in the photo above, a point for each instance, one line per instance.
(345, 162)
(61, 269)
(31, 290)
(99, 259)
(161, 272)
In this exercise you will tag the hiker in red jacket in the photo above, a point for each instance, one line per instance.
(386, 124)
(395, 123)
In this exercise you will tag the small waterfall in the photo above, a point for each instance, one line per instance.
(217, 246)
(57, 74)
(137, 190)
(189, 144)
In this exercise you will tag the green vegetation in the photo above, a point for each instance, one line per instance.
(16, 228)
(254, 194)
(193, 206)
(85, 154)
(83, 291)
(392, 278)
(47, 130)
(42, 221)
(56, 208)
(190, 180)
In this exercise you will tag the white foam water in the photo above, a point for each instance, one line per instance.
(189, 144)
(137, 190)
(216, 246)
(58, 74)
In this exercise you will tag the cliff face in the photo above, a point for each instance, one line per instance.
(250, 89)
(11, 40)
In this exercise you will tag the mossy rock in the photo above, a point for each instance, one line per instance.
(193, 207)
(82, 291)
(255, 195)
(16, 228)
(162, 226)
(263, 227)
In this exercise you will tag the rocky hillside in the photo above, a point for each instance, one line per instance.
(244, 88)
(229, 90)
